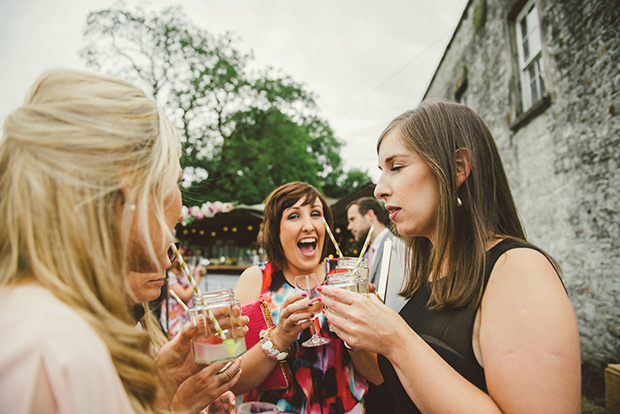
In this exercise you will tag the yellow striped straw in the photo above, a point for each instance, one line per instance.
(178, 299)
(331, 236)
(365, 247)
(193, 282)
(184, 267)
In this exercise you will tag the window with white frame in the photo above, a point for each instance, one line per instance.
(529, 50)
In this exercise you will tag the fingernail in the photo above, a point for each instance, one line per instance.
(319, 299)
(310, 304)
(312, 315)
(304, 294)
(319, 288)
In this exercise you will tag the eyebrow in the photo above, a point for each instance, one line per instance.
(392, 157)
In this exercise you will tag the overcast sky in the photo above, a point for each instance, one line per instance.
(367, 61)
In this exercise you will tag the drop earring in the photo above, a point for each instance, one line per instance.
(459, 203)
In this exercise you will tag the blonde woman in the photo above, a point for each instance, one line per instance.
(88, 192)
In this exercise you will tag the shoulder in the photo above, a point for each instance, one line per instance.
(523, 273)
(524, 265)
(249, 285)
(529, 339)
(49, 334)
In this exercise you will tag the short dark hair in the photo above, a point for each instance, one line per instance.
(370, 203)
(279, 200)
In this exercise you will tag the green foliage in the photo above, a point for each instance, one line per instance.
(243, 133)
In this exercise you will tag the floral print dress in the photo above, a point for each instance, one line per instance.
(324, 380)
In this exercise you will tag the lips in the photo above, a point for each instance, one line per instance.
(393, 211)
(307, 246)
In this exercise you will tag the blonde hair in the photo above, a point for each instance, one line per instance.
(85, 161)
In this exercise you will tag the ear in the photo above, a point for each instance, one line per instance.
(125, 191)
(462, 158)
(372, 217)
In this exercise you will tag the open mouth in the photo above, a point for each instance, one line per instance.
(393, 212)
(307, 246)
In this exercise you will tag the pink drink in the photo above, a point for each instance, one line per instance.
(218, 350)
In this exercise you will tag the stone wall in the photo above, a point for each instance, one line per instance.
(563, 163)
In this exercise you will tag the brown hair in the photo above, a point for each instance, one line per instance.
(435, 131)
(279, 200)
(370, 203)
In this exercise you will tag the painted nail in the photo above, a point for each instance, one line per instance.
(312, 315)
(319, 299)
(304, 294)
(310, 304)
(319, 288)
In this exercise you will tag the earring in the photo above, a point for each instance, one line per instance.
(132, 207)
(459, 203)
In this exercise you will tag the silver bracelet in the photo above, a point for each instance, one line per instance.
(272, 352)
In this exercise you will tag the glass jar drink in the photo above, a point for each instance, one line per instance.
(347, 280)
(346, 264)
(221, 337)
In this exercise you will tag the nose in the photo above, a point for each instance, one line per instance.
(382, 190)
(307, 224)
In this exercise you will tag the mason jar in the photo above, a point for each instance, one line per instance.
(347, 280)
(347, 264)
(221, 336)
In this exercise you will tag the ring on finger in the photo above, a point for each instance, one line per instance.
(225, 376)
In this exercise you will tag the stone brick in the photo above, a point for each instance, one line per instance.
(562, 164)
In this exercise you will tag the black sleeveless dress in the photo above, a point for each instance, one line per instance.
(448, 331)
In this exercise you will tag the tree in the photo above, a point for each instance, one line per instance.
(243, 133)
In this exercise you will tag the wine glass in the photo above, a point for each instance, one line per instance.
(309, 283)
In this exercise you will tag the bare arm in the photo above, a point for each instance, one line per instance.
(249, 285)
(185, 294)
(255, 365)
(529, 345)
(366, 364)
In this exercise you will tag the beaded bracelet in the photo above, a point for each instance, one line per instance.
(267, 346)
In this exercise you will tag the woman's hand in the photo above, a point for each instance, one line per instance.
(203, 388)
(363, 322)
(295, 316)
(175, 362)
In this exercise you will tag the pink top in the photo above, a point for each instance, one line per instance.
(38, 330)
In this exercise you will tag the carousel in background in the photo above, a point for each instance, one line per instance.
(223, 238)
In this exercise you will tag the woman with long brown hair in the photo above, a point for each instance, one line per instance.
(488, 326)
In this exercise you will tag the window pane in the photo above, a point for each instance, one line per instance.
(534, 93)
(524, 36)
(536, 81)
